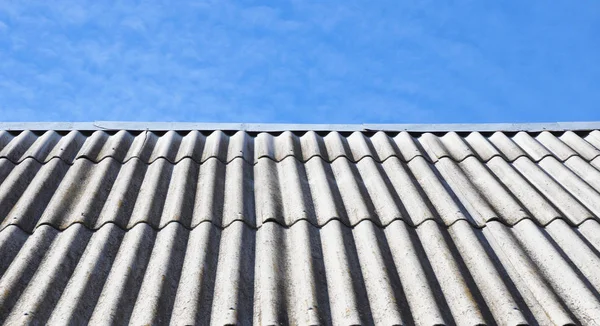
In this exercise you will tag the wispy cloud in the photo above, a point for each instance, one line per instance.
(298, 61)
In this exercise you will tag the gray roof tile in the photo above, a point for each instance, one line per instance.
(190, 227)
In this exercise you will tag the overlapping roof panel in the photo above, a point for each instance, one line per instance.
(190, 227)
(148, 146)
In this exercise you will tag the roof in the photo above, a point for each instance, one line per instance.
(243, 226)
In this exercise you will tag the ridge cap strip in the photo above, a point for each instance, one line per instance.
(275, 127)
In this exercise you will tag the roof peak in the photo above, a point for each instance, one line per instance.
(272, 127)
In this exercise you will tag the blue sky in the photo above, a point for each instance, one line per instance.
(300, 61)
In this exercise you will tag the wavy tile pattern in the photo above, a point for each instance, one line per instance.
(174, 146)
(304, 229)
(301, 275)
(126, 179)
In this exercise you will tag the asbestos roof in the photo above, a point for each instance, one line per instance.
(347, 225)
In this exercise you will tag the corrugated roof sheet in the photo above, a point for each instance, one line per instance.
(301, 228)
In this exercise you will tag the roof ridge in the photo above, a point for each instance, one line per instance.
(278, 127)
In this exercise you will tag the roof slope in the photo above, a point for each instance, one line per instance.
(193, 227)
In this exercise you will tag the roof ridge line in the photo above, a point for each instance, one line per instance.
(278, 127)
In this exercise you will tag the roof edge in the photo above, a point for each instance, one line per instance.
(273, 127)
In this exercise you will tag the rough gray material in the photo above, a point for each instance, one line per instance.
(302, 274)
(190, 177)
(402, 228)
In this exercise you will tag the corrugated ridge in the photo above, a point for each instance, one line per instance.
(303, 275)
(405, 146)
(94, 193)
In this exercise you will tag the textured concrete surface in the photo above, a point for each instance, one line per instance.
(189, 227)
